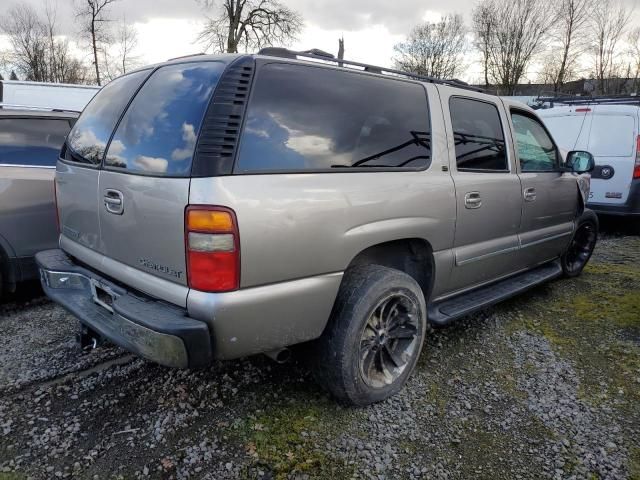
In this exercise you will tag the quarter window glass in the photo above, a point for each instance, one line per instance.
(311, 118)
(31, 141)
(158, 133)
(536, 150)
(478, 135)
(89, 137)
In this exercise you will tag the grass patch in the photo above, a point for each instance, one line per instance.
(287, 439)
(594, 320)
(12, 476)
(634, 462)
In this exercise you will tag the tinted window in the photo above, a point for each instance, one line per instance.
(31, 141)
(534, 145)
(305, 118)
(90, 135)
(158, 133)
(478, 136)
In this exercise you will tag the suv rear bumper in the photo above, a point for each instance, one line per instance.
(631, 207)
(152, 329)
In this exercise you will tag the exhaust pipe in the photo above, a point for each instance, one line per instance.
(282, 355)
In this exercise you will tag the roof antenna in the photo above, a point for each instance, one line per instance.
(341, 50)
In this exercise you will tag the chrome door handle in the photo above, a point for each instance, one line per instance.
(472, 200)
(529, 194)
(113, 201)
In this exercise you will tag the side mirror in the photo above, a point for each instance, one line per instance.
(579, 161)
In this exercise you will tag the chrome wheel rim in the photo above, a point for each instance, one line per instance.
(581, 247)
(389, 340)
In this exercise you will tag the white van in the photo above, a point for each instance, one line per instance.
(51, 96)
(612, 134)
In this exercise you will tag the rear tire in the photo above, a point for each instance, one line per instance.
(581, 246)
(374, 337)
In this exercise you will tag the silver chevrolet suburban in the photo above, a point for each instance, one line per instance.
(213, 207)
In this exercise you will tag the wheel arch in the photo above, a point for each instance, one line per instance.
(413, 256)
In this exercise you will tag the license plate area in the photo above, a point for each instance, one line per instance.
(103, 295)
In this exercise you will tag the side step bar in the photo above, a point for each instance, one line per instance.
(444, 312)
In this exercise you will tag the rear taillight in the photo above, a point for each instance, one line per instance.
(213, 248)
(55, 205)
(636, 166)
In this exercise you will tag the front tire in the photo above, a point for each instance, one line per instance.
(581, 246)
(374, 337)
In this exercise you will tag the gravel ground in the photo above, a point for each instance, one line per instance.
(543, 386)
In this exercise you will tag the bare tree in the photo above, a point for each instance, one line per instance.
(248, 24)
(27, 37)
(634, 55)
(518, 29)
(569, 35)
(37, 52)
(434, 48)
(609, 22)
(484, 18)
(94, 19)
(121, 57)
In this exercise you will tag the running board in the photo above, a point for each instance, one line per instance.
(445, 311)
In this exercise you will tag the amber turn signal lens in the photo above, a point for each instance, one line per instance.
(209, 221)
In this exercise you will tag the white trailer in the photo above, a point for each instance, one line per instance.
(54, 96)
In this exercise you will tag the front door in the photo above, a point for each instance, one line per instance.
(487, 190)
(550, 196)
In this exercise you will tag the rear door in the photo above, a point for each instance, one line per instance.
(550, 196)
(570, 129)
(487, 188)
(612, 141)
(79, 169)
(144, 185)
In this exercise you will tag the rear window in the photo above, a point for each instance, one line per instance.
(303, 118)
(612, 136)
(88, 139)
(565, 129)
(32, 141)
(158, 133)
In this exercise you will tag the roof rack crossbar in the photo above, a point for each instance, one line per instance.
(603, 99)
(33, 107)
(316, 54)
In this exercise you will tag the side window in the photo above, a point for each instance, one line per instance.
(310, 118)
(536, 150)
(158, 133)
(478, 135)
(88, 138)
(32, 141)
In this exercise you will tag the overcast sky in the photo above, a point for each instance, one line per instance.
(168, 28)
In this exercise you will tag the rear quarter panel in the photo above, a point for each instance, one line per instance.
(294, 226)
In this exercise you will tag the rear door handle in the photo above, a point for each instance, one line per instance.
(529, 194)
(472, 200)
(114, 201)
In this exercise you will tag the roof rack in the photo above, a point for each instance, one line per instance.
(32, 107)
(589, 100)
(186, 56)
(320, 55)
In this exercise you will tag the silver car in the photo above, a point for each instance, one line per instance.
(30, 142)
(213, 207)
